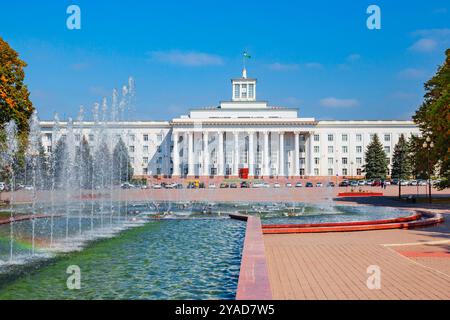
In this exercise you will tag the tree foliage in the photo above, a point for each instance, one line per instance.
(102, 166)
(122, 169)
(84, 165)
(376, 166)
(433, 119)
(14, 96)
(401, 165)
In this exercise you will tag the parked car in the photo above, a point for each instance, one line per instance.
(224, 185)
(245, 184)
(369, 182)
(211, 186)
(258, 185)
(376, 183)
(233, 185)
(276, 185)
(422, 183)
(361, 183)
(157, 186)
(298, 185)
(354, 183)
(309, 185)
(319, 184)
(404, 182)
(266, 185)
(2, 186)
(344, 183)
(288, 185)
(330, 184)
(394, 181)
(413, 183)
(387, 182)
(144, 186)
(125, 185)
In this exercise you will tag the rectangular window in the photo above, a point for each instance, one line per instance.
(132, 137)
(49, 148)
(237, 94)
(344, 149)
(330, 161)
(159, 137)
(344, 160)
(316, 160)
(159, 149)
(344, 171)
(359, 137)
(358, 160)
(387, 149)
(145, 171)
(244, 91)
(145, 160)
(251, 90)
(131, 148)
(387, 137)
(316, 149)
(145, 149)
(302, 161)
(316, 171)
(48, 136)
(302, 171)
(91, 137)
(330, 149)
(358, 149)
(330, 137)
(330, 172)
(77, 137)
(301, 149)
(316, 137)
(302, 137)
(358, 172)
(145, 137)
(344, 137)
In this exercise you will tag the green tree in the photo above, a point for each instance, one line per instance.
(84, 165)
(433, 119)
(14, 96)
(401, 166)
(102, 166)
(376, 166)
(122, 169)
(60, 156)
(417, 160)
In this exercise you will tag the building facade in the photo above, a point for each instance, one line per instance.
(245, 135)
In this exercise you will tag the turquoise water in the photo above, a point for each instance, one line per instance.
(165, 259)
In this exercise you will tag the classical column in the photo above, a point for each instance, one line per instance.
(281, 155)
(309, 155)
(176, 155)
(205, 154)
(236, 153)
(296, 155)
(190, 136)
(220, 166)
(251, 155)
(266, 154)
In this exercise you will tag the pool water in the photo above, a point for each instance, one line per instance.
(165, 259)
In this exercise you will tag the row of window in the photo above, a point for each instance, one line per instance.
(344, 149)
(344, 137)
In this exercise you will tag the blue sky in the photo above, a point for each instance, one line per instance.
(318, 56)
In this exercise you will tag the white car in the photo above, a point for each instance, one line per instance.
(298, 185)
(212, 186)
(144, 186)
(276, 185)
(413, 183)
(422, 183)
(258, 185)
(157, 186)
(404, 182)
(319, 184)
(28, 187)
(2, 186)
(266, 185)
(288, 185)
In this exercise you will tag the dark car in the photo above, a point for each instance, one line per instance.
(330, 184)
(309, 185)
(233, 185)
(245, 184)
(224, 185)
(344, 184)
(376, 183)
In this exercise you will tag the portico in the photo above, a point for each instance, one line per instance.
(241, 133)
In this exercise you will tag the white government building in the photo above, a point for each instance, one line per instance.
(247, 133)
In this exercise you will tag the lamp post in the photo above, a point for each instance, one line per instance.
(428, 144)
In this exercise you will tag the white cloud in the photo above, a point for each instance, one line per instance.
(424, 45)
(443, 32)
(353, 57)
(277, 66)
(333, 102)
(411, 73)
(191, 58)
(313, 65)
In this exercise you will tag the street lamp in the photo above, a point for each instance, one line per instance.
(428, 144)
